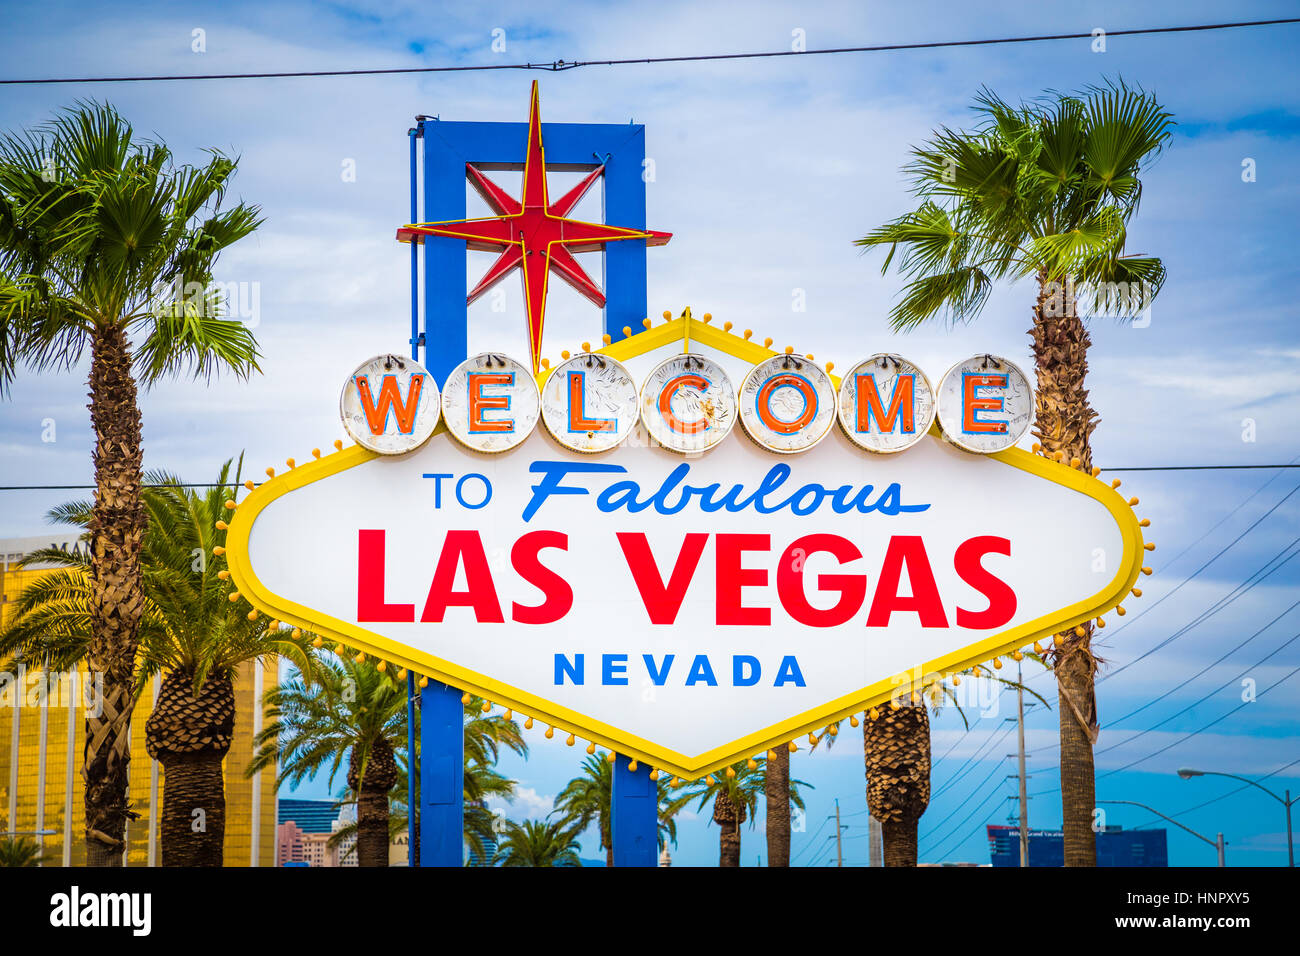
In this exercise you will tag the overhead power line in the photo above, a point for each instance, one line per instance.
(562, 65)
(1224, 796)
(1189, 735)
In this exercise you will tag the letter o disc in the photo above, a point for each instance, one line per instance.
(887, 374)
(390, 405)
(590, 403)
(688, 403)
(787, 404)
(1001, 404)
(490, 403)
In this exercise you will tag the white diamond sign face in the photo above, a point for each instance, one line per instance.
(688, 612)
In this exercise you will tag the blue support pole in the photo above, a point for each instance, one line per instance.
(441, 816)
(412, 762)
(442, 776)
(634, 813)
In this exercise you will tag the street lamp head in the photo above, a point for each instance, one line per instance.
(1187, 773)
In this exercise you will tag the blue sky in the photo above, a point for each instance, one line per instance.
(766, 170)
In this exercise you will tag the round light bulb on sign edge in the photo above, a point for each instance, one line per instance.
(1015, 414)
(889, 370)
(606, 401)
(688, 403)
(507, 404)
(787, 404)
(384, 384)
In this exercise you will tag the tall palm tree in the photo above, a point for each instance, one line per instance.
(586, 800)
(1042, 191)
(734, 792)
(896, 751)
(350, 708)
(776, 788)
(538, 843)
(189, 632)
(95, 225)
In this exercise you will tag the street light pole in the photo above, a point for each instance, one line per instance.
(1187, 773)
(1218, 842)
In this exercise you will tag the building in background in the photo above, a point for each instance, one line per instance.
(1115, 847)
(42, 736)
(307, 827)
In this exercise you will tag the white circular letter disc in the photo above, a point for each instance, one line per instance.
(985, 404)
(787, 404)
(390, 405)
(490, 403)
(886, 404)
(589, 404)
(688, 403)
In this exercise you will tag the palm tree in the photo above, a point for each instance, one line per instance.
(1046, 191)
(537, 843)
(189, 632)
(776, 788)
(361, 710)
(20, 851)
(735, 798)
(350, 708)
(94, 226)
(481, 824)
(896, 750)
(586, 800)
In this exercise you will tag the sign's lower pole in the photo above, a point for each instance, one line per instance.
(634, 811)
(442, 772)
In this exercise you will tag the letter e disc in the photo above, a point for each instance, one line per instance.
(688, 403)
(787, 404)
(390, 405)
(986, 404)
(490, 403)
(886, 404)
(589, 404)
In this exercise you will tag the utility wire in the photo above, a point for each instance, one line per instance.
(1200, 467)
(1170, 593)
(1229, 682)
(976, 789)
(958, 828)
(1224, 796)
(561, 65)
(1207, 667)
(1190, 734)
(993, 739)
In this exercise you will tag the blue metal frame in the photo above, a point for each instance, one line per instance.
(438, 812)
(634, 813)
(501, 146)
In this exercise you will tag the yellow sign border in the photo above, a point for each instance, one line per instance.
(565, 720)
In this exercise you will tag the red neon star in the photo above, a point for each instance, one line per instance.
(533, 233)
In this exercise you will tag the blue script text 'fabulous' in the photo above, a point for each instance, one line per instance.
(765, 499)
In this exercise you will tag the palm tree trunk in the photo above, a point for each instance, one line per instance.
(896, 748)
(190, 736)
(372, 826)
(371, 789)
(776, 786)
(193, 822)
(899, 840)
(1064, 422)
(117, 596)
(729, 844)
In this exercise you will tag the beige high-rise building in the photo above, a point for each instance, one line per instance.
(41, 788)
